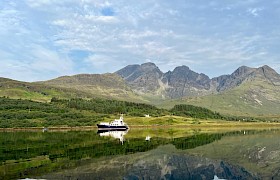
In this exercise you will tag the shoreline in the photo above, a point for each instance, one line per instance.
(223, 125)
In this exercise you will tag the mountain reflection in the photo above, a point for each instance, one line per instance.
(166, 155)
(177, 166)
(161, 163)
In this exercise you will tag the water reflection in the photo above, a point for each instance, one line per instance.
(117, 134)
(148, 138)
(169, 154)
(182, 166)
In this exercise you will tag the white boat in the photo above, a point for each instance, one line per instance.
(117, 124)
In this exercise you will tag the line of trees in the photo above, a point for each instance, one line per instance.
(111, 107)
(195, 112)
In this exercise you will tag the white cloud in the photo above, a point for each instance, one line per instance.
(50, 61)
(42, 64)
(254, 11)
(101, 63)
(204, 36)
(35, 3)
(42, 4)
(103, 19)
(11, 20)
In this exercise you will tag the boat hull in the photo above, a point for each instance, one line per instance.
(108, 127)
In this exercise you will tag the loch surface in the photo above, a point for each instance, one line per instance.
(152, 153)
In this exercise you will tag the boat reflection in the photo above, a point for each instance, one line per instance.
(148, 138)
(117, 134)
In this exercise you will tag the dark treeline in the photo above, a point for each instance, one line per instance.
(111, 107)
(194, 111)
(204, 113)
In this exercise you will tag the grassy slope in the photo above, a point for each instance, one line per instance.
(100, 85)
(256, 98)
(34, 91)
(107, 86)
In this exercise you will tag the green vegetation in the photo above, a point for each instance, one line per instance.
(72, 112)
(80, 86)
(106, 86)
(26, 113)
(111, 107)
(88, 112)
(36, 91)
(195, 112)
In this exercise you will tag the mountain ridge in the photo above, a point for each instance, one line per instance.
(246, 90)
(182, 81)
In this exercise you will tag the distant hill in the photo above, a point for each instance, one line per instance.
(245, 74)
(108, 86)
(247, 91)
(36, 91)
(97, 85)
(255, 92)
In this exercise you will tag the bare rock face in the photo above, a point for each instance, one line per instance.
(226, 82)
(269, 74)
(243, 74)
(142, 78)
(183, 82)
(147, 78)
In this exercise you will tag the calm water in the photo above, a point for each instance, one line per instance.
(141, 154)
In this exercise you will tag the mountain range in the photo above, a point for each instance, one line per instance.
(246, 91)
(183, 82)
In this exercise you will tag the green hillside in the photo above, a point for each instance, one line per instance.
(35, 91)
(97, 85)
(255, 98)
(108, 86)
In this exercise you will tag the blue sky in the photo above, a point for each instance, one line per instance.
(44, 39)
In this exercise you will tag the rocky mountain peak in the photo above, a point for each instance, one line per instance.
(268, 74)
(268, 70)
(128, 70)
(181, 69)
(226, 82)
(142, 78)
(148, 65)
(267, 67)
(241, 71)
(182, 81)
(150, 68)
